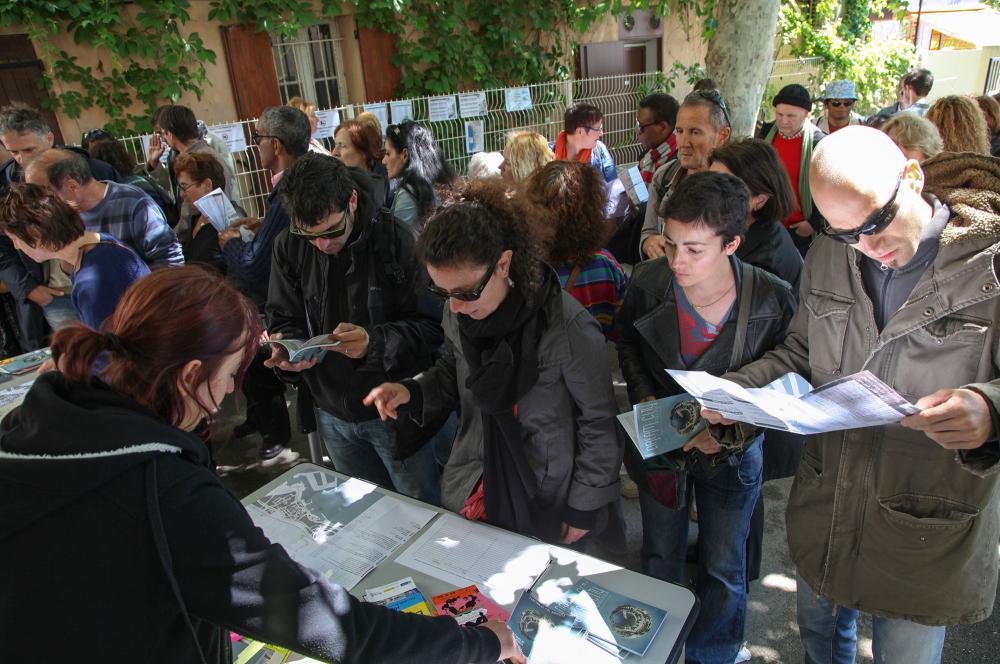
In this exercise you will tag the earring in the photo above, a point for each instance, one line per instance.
(510, 282)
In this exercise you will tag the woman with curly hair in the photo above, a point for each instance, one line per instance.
(525, 153)
(537, 451)
(961, 123)
(991, 111)
(573, 197)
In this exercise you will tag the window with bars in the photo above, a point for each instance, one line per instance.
(310, 66)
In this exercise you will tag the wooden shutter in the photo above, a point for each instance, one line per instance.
(251, 70)
(20, 69)
(381, 76)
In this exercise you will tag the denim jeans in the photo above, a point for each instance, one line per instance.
(361, 449)
(60, 310)
(830, 633)
(726, 498)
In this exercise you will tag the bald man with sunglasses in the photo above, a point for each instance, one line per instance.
(898, 521)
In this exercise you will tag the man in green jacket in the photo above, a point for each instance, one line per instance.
(899, 521)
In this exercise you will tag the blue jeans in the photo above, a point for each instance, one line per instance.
(726, 497)
(60, 310)
(830, 634)
(361, 449)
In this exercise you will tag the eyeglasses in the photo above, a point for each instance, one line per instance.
(716, 98)
(466, 296)
(185, 187)
(837, 103)
(256, 138)
(330, 233)
(639, 127)
(876, 222)
(599, 130)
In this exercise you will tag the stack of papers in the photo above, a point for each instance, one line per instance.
(218, 209)
(344, 529)
(402, 595)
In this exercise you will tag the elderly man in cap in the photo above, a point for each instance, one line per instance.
(839, 99)
(793, 136)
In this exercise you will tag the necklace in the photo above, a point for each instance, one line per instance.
(715, 301)
(792, 137)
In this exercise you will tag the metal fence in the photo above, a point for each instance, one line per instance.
(617, 96)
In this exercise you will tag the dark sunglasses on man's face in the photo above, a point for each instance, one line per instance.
(466, 296)
(877, 222)
(328, 234)
(837, 103)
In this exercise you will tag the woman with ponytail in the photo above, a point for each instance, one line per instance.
(119, 544)
(537, 451)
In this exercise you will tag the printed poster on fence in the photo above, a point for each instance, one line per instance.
(381, 111)
(232, 134)
(474, 136)
(442, 108)
(401, 111)
(517, 99)
(472, 104)
(326, 123)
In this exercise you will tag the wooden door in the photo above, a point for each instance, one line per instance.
(381, 76)
(251, 70)
(20, 70)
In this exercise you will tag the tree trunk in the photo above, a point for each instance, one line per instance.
(740, 56)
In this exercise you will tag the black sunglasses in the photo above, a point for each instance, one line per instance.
(340, 229)
(874, 224)
(837, 103)
(716, 98)
(466, 296)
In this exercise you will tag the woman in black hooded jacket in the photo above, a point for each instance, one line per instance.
(118, 543)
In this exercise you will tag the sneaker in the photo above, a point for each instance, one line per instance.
(270, 449)
(744, 655)
(629, 488)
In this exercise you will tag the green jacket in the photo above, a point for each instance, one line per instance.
(883, 519)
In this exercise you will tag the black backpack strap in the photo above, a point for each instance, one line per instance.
(163, 549)
(742, 316)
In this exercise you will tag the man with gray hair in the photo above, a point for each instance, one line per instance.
(39, 291)
(702, 125)
(282, 136)
(120, 210)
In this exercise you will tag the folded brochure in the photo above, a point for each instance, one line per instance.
(402, 595)
(664, 425)
(607, 618)
(301, 351)
(218, 209)
(26, 362)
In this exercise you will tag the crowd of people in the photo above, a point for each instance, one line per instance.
(470, 323)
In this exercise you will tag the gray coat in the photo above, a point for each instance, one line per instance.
(567, 418)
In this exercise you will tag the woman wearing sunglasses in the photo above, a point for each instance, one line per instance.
(537, 451)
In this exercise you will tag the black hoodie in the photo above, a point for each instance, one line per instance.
(118, 543)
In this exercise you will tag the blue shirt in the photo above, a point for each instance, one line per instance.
(106, 271)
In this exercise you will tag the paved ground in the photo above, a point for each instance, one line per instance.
(772, 634)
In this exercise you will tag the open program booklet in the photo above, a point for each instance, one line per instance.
(792, 404)
(301, 351)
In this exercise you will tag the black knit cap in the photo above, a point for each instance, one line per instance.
(793, 94)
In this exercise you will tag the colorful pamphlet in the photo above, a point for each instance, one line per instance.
(469, 606)
(26, 362)
(402, 595)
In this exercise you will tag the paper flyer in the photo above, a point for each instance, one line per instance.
(232, 134)
(401, 111)
(517, 99)
(475, 139)
(381, 111)
(326, 123)
(472, 104)
(440, 109)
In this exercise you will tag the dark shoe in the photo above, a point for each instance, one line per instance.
(270, 449)
(244, 430)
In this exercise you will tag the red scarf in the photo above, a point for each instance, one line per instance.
(562, 152)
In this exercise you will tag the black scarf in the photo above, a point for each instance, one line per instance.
(502, 353)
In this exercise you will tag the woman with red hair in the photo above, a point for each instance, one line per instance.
(113, 522)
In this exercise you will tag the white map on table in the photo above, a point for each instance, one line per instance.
(342, 528)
